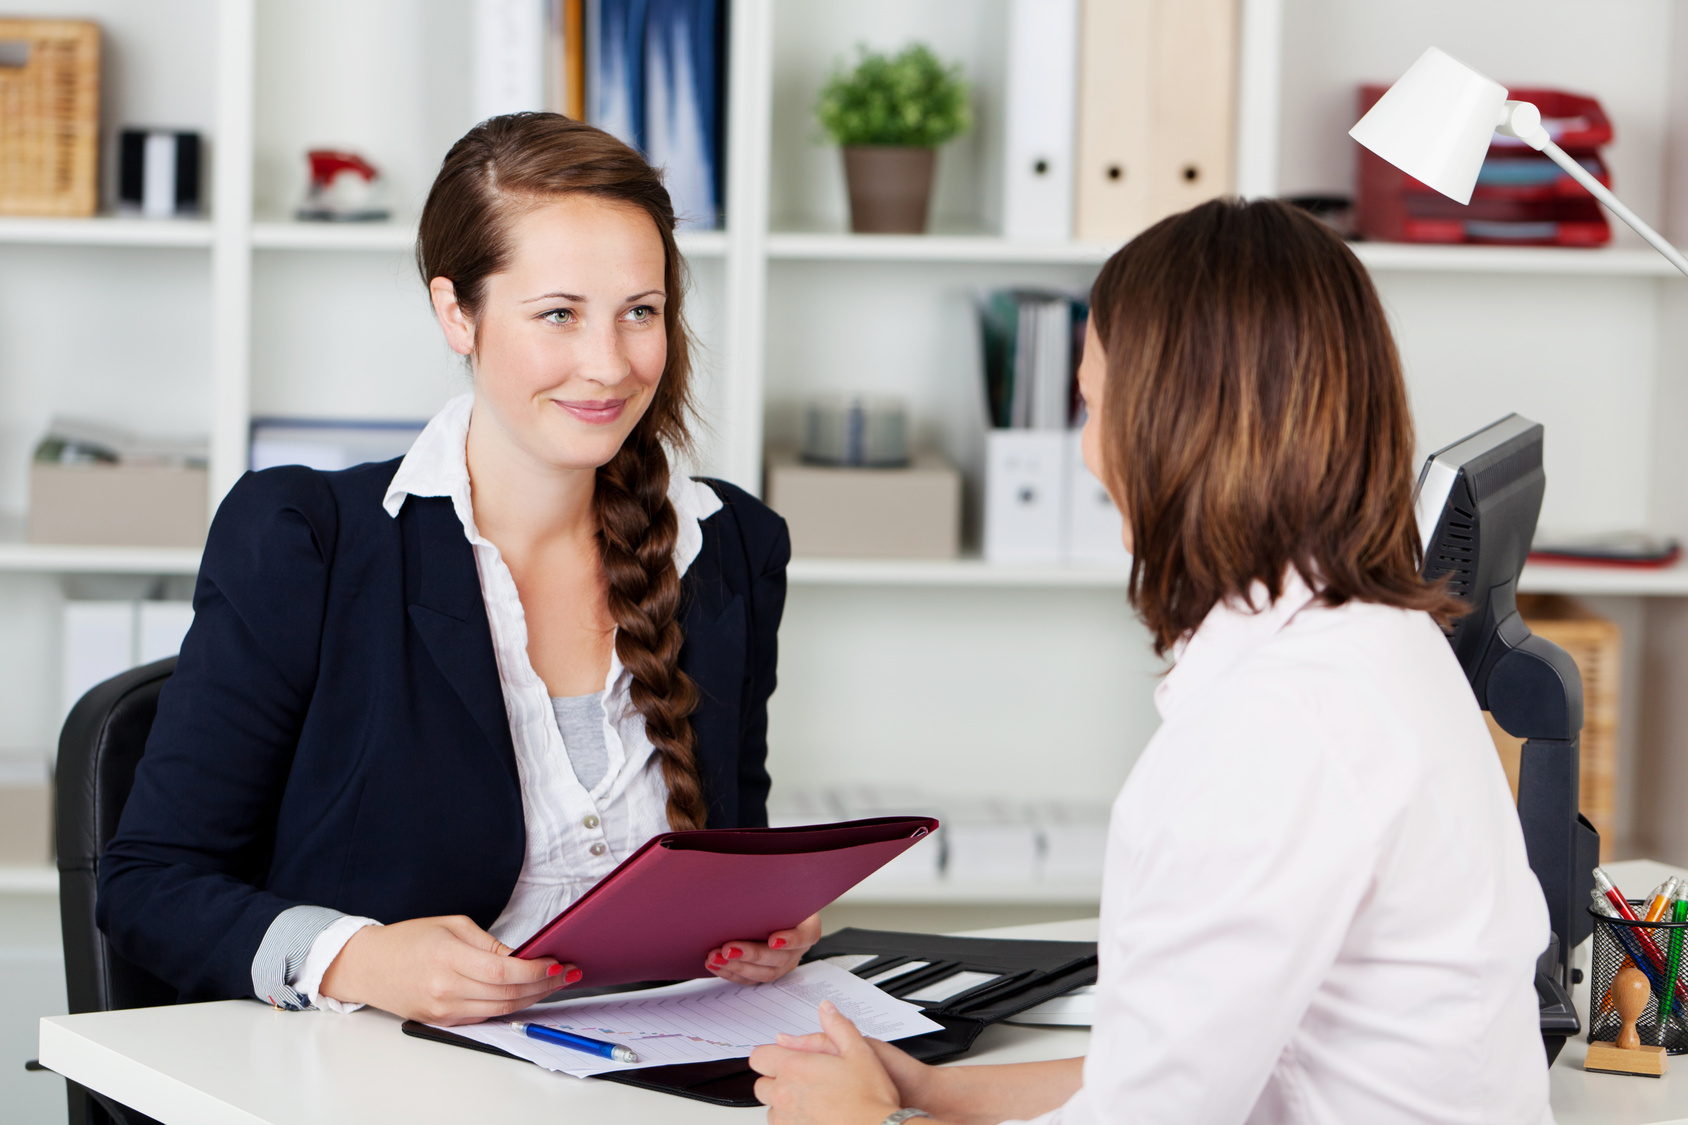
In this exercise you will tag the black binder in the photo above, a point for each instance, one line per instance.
(1025, 974)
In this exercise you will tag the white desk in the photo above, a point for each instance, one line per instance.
(210, 1064)
(239, 1062)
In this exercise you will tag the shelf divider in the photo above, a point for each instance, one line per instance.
(231, 245)
(749, 130)
(104, 230)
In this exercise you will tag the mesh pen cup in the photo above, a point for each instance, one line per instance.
(1619, 943)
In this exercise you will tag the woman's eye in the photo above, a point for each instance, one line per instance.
(558, 316)
(639, 314)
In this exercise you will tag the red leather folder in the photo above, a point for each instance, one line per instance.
(684, 893)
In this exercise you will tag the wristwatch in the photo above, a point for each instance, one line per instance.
(903, 1115)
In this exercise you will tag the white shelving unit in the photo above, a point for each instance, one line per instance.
(16, 880)
(104, 231)
(42, 558)
(1669, 582)
(952, 892)
(914, 670)
(397, 238)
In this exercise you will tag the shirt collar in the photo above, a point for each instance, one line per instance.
(437, 465)
(1232, 630)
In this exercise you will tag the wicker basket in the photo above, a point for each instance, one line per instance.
(1596, 645)
(50, 118)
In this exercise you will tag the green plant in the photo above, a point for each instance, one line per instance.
(908, 99)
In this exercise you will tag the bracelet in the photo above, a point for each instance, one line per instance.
(903, 1115)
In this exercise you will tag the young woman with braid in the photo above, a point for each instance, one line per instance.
(426, 704)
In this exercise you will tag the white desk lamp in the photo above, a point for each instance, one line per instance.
(1435, 124)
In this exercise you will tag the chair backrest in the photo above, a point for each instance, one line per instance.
(100, 745)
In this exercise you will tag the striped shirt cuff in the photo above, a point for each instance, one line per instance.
(281, 955)
(326, 947)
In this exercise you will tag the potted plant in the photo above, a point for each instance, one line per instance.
(890, 114)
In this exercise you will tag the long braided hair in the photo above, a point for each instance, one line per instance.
(500, 168)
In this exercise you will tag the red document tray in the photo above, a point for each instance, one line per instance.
(657, 915)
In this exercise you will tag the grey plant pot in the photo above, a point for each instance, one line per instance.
(890, 188)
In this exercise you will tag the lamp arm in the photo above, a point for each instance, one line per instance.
(1604, 194)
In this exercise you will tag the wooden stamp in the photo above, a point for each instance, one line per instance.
(1630, 992)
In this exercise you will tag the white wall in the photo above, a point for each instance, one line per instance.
(1579, 359)
(1009, 692)
(347, 335)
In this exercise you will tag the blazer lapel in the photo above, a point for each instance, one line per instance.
(445, 605)
(714, 657)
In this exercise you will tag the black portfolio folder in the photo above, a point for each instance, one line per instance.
(1022, 974)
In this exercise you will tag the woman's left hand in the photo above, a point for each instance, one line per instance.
(757, 962)
(842, 1081)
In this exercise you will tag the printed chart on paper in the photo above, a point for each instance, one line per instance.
(703, 1020)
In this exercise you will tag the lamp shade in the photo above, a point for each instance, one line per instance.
(1435, 124)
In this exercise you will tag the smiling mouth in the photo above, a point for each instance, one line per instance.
(594, 412)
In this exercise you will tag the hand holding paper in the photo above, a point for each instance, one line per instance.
(703, 1020)
(845, 1083)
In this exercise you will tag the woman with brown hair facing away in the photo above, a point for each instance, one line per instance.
(426, 704)
(1316, 905)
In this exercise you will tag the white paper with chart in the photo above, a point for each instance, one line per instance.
(702, 1020)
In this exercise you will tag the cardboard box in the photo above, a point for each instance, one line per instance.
(118, 505)
(908, 513)
(1596, 644)
(26, 812)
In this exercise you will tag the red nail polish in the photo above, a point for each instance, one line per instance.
(734, 951)
(574, 975)
(776, 943)
(716, 963)
(553, 970)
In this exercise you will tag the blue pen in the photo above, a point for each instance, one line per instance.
(569, 1039)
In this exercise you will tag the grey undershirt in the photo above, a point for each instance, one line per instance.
(580, 718)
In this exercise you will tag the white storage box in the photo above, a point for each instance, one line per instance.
(989, 842)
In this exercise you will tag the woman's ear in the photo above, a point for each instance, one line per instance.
(454, 321)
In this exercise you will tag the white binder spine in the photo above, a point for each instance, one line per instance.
(99, 642)
(160, 628)
(1024, 495)
(1093, 523)
(507, 56)
(1042, 103)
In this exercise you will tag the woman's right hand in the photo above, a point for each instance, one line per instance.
(917, 1082)
(439, 970)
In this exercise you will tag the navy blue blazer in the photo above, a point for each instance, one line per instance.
(335, 732)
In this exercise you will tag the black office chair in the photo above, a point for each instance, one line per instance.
(99, 747)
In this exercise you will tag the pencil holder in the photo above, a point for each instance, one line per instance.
(1619, 943)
